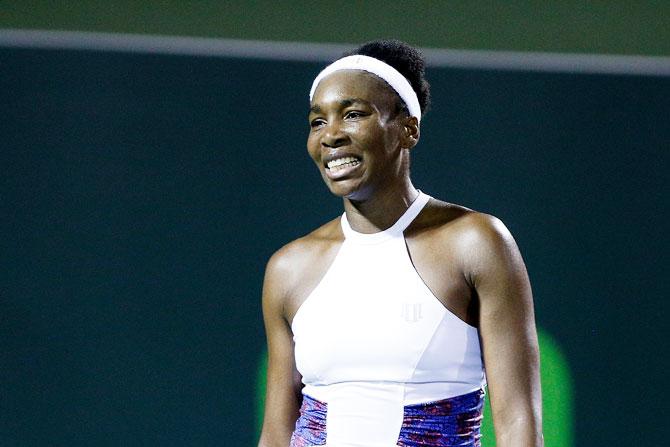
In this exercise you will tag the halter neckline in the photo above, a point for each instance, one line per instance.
(394, 230)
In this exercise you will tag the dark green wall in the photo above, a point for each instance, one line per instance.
(615, 26)
(142, 194)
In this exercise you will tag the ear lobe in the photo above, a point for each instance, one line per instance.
(411, 133)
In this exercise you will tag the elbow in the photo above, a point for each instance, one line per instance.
(521, 431)
(274, 438)
(265, 443)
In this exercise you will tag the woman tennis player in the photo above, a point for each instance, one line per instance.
(387, 325)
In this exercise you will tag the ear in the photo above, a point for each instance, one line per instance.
(410, 132)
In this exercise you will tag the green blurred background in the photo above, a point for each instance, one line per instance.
(141, 195)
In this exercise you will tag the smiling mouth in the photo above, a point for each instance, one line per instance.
(342, 163)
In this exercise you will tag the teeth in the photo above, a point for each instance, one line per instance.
(341, 162)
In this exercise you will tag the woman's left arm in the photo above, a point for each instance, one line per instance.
(507, 330)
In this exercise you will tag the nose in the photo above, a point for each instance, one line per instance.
(333, 136)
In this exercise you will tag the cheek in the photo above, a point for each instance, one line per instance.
(379, 143)
(313, 149)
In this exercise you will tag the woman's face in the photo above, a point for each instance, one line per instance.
(355, 134)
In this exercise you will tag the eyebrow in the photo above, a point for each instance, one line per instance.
(342, 103)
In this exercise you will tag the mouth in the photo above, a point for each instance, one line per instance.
(342, 167)
(342, 163)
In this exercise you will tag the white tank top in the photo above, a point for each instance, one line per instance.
(372, 338)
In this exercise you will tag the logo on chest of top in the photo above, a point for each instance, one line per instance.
(411, 312)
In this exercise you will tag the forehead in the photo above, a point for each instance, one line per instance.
(346, 84)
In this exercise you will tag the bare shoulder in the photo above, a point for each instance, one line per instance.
(292, 267)
(293, 257)
(452, 220)
(472, 238)
(486, 249)
(478, 229)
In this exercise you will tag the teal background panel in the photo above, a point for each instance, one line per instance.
(143, 194)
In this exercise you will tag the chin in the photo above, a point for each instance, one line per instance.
(352, 193)
(342, 189)
(340, 192)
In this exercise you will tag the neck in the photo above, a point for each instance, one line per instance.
(381, 210)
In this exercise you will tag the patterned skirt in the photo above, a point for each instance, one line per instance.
(448, 422)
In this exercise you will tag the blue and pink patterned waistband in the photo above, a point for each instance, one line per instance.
(455, 421)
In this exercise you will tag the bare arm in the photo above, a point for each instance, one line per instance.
(283, 399)
(507, 331)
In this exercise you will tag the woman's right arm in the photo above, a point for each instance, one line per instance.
(282, 398)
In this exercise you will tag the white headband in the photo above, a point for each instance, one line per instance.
(383, 70)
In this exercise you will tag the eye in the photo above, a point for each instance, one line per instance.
(316, 123)
(353, 114)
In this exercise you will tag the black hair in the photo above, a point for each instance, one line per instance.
(404, 58)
